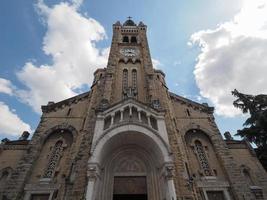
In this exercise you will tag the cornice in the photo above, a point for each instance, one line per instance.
(195, 105)
(53, 106)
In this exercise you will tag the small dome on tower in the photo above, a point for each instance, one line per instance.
(129, 22)
(117, 23)
(141, 24)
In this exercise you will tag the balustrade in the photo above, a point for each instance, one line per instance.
(130, 114)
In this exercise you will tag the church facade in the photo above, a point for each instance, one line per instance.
(130, 138)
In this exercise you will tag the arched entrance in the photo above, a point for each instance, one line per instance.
(128, 173)
(128, 164)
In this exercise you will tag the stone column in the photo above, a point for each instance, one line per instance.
(112, 120)
(121, 112)
(131, 113)
(168, 172)
(93, 176)
(139, 116)
(148, 120)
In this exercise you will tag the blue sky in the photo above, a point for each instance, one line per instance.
(206, 48)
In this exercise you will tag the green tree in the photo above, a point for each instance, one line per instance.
(255, 126)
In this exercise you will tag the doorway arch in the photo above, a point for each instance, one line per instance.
(134, 155)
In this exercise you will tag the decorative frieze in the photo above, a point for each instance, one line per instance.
(15, 147)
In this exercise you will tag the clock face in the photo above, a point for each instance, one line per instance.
(129, 52)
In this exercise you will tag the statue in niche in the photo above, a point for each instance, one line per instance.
(129, 92)
(104, 104)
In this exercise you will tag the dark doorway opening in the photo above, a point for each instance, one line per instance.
(130, 188)
(215, 195)
(129, 197)
(40, 196)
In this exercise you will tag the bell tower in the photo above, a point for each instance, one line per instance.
(129, 70)
(130, 157)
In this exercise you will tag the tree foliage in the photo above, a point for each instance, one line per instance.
(255, 127)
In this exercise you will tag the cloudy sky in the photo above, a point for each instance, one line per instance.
(49, 50)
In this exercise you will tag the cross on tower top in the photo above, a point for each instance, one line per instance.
(129, 22)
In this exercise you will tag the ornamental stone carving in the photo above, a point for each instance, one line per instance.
(93, 172)
(202, 158)
(54, 159)
(169, 170)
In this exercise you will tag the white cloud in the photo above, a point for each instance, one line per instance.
(6, 86)
(177, 62)
(77, 3)
(199, 98)
(70, 40)
(233, 56)
(10, 123)
(156, 63)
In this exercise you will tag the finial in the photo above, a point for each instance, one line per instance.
(228, 136)
(129, 18)
(24, 135)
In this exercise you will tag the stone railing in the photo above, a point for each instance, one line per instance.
(130, 114)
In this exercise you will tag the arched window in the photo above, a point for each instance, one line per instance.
(4, 175)
(202, 158)
(125, 39)
(133, 39)
(125, 79)
(107, 122)
(134, 78)
(153, 122)
(54, 159)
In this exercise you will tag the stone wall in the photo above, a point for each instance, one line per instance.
(247, 160)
